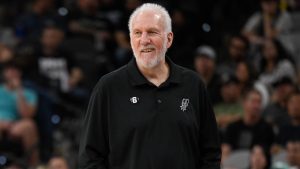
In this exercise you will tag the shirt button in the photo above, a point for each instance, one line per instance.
(159, 101)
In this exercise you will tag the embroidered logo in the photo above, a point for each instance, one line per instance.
(134, 100)
(184, 104)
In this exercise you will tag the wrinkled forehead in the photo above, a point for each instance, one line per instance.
(148, 18)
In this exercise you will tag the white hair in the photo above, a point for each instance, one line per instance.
(152, 7)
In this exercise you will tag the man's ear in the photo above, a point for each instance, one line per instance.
(170, 39)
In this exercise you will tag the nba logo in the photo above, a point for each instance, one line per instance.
(134, 99)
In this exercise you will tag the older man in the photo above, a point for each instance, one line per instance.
(151, 113)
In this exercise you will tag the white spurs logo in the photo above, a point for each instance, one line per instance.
(184, 104)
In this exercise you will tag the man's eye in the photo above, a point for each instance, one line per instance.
(137, 33)
(152, 33)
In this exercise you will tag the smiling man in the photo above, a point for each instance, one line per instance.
(150, 113)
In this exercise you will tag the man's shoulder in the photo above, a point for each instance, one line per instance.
(189, 74)
(115, 73)
(30, 92)
(236, 125)
(272, 109)
(113, 77)
(3, 92)
(263, 123)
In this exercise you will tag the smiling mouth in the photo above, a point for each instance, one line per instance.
(147, 50)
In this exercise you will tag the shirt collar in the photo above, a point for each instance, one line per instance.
(136, 77)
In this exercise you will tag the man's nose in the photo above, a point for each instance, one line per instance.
(145, 38)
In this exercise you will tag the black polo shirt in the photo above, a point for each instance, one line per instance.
(133, 124)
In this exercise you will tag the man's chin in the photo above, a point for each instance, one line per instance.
(148, 64)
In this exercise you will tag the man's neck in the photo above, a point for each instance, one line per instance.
(48, 51)
(207, 77)
(250, 121)
(156, 75)
(295, 122)
(9, 86)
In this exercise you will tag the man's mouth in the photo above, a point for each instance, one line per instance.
(147, 50)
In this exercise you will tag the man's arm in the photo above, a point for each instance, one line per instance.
(26, 105)
(26, 109)
(249, 30)
(209, 134)
(93, 151)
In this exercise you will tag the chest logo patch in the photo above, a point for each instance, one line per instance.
(134, 100)
(184, 104)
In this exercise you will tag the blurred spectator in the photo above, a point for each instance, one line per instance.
(275, 63)
(183, 43)
(265, 93)
(7, 36)
(293, 153)
(10, 10)
(123, 51)
(58, 162)
(291, 131)
(276, 112)
(259, 158)
(6, 55)
(17, 108)
(30, 25)
(251, 129)
(236, 50)
(294, 4)
(128, 7)
(292, 157)
(232, 14)
(53, 66)
(87, 22)
(230, 108)
(269, 23)
(244, 74)
(205, 66)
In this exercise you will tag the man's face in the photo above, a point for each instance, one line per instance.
(269, 50)
(269, 6)
(242, 72)
(294, 106)
(230, 92)
(88, 4)
(5, 54)
(284, 91)
(52, 38)
(204, 65)
(258, 158)
(252, 104)
(293, 153)
(237, 48)
(45, 4)
(11, 73)
(149, 39)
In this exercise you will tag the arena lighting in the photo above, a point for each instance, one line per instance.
(3, 160)
(62, 11)
(206, 27)
(55, 119)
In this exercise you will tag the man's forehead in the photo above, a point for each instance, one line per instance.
(147, 14)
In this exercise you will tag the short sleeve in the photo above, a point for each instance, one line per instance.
(252, 22)
(31, 97)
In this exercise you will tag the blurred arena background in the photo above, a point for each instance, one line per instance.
(54, 51)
